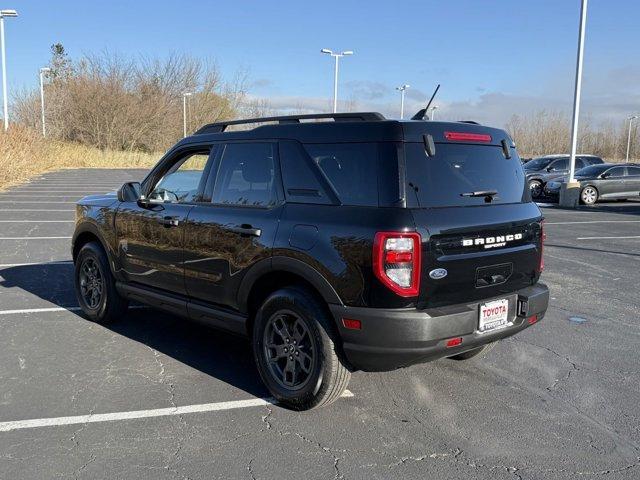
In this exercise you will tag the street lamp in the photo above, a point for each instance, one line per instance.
(43, 71)
(402, 89)
(631, 119)
(433, 112)
(335, 74)
(577, 91)
(184, 111)
(5, 13)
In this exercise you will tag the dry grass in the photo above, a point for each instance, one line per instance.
(25, 154)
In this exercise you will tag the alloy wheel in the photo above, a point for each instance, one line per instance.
(536, 188)
(91, 283)
(288, 350)
(589, 195)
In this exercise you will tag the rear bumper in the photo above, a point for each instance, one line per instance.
(394, 338)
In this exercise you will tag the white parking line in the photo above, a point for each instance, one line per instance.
(40, 310)
(592, 221)
(44, 264)
(110, 417)
(36, 210)
(34, 201)
(33, 238)
(607, 238)
(137, 414)
(37, 221)
(13, 195)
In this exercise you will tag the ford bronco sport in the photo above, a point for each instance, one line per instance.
(352, 243)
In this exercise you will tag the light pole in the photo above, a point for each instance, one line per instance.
(335, 74)
(43, 71)
(578, 88)
(433, 112)
(184, 111)
(631, 119)
(402, 89)
(5, 13)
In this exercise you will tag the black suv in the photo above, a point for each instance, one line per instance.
(357, 243)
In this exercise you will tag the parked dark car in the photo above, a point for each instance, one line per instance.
(541, 170)
(354, 244)
(602, 182)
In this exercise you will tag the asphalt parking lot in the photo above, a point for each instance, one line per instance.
(156, 397)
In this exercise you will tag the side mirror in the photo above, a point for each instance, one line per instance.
(605, 175)
(129, 192)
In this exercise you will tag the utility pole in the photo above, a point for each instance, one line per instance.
(631, 119)
(337, 56)
(184, 112)
(43, 71)
(402, 89)
(578, 89)
(5, 106)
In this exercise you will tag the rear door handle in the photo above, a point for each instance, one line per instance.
(246, 230)
(169, 222)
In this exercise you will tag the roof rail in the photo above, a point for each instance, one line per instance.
(220, 127)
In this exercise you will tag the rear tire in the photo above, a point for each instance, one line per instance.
(589, 195)
(295, 347)
(476, 352)
(95, 286)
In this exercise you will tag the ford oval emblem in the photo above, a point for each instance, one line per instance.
(438, 273)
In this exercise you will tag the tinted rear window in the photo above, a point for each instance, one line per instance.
(440, 181)
(364, 174)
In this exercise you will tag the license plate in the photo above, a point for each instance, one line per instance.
(493, 315)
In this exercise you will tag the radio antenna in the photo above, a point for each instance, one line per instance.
(423, 114)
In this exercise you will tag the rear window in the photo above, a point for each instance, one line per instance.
(456, 171)
(363, 174)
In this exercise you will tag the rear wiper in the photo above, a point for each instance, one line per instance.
(481, 193)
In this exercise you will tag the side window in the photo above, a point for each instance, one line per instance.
(180, 183)
(351, 168)
(615, 172)
(559, 165)
(301, 182)
(246, 175)
(580, 163)
(633, 171)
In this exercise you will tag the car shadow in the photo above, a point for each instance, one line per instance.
(630, 207)
(224, 356)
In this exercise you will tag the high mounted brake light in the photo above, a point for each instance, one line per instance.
(467, 137)
(396, 261)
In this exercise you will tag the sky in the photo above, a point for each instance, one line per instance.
(493, 58)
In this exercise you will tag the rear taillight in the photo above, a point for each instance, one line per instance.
(543, 238)
(396, 261)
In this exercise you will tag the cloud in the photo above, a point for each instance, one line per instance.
(608, 96)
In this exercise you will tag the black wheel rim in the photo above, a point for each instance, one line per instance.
(288, 350)
(536, 189)
(91, 283)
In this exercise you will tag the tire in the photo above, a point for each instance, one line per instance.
(295, 347)
(95, 286)
(476, 352)
(535, 186)
(589, 195)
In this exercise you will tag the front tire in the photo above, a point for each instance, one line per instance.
(296, 350)
(535, 186)
(95, 286)
(589, 195)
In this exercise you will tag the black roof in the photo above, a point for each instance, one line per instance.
(345, 127)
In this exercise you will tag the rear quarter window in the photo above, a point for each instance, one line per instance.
(457, 169)
(361, 174)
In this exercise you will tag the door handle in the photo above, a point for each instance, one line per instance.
(246, 230)
(169, 222)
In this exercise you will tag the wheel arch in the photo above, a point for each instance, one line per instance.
(273, 274)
